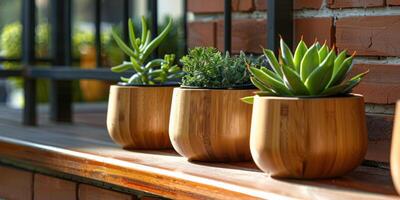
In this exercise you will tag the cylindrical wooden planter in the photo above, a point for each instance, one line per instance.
(138, 117)
(210, 124)
(308, 137)
(395, 153)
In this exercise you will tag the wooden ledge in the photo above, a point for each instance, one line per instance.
(87, 151)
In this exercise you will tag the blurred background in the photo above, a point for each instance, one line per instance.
(83, 41)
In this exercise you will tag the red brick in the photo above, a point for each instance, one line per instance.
(50, 188)
(217, 6)
(298, 4)
(369, 35)
(314, 28)
(247, 35)
(88, 192)
(393, 2)
(201, 34)
(355, 3)
(381, 85)
(15, 184)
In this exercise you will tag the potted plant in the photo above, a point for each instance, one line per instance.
(305, 123)
(208, 121)
(139, 106)
(395, 152)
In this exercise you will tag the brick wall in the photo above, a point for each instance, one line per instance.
(19, 184)
(369, 27)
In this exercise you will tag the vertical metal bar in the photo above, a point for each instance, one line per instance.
(60, 91)
(154, 22)
(28, 57)
(185, 31)
(125, 19)
(228, 25)
(280, 22)
(97, 22)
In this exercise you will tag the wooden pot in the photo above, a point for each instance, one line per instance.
(395, 153)
(308, 138)
(138, 117)
(210, 125)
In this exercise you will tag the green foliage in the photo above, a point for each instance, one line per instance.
(156, 71)
(315, 71)
(209, 68)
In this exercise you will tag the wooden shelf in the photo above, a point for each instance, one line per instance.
(88, 152)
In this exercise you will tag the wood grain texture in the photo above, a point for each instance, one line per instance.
(211, 125)
(138, 117)
(395, 153)
(308, 137)
(87, 151)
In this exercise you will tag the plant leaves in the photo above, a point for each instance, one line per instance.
(248, 100)
(309, 63)
(323, 52)
(261, 85)
(342, 71)
(273, 61)
(153, 44)
(293, 81)
(123, 46)
(132, 36)
(339, 60)
(122, 67)
(144, 30)
(287, 56)
(321, 76)
(275, 84)
(299, 54)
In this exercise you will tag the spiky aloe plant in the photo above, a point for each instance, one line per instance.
(314, 71)
(153, 72)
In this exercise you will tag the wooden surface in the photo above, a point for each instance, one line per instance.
(211, 125)
(395, 154)
(138, 117)
(88, 151)
(308, 137)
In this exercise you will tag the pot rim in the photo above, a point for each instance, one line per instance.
(167, 84)
(238, 87)
(350, 95)
(216, 89)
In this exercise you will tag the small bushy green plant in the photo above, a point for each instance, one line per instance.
(155, 71)
(207, 67)
(314, 71)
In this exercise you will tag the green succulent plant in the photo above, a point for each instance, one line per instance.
(207, 67)
(153, 72)
(314, 71)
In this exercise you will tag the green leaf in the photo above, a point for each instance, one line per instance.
(144, 30)
(266, 79)
(132, 36)
(287, 56)
(339, 60)
(123, 79)
(153, 44)
(122, 67)
(293, 81)
(309, 62)
(321, 76)
(323, 52)
(136, 65)
(122, 45)
(299, 54)
(260, 85)
(342, 71)
(174, 69)
(273, 61)
(269, 72)
(248, 100)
